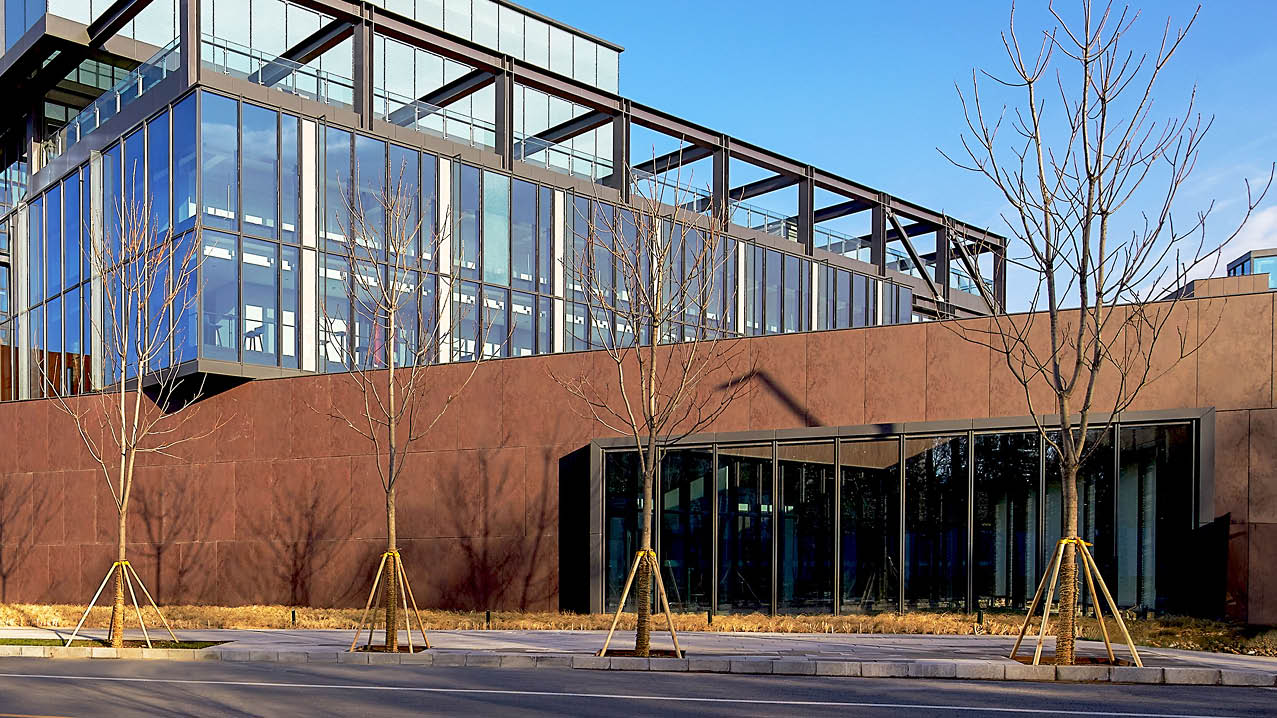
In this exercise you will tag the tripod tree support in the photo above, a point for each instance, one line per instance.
(649, 556)
(1092, 573)
(127, 575)
(398, 568)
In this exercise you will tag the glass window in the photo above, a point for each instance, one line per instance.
(35, 250)
(158, 186)
(772, 288)
(687, 539)
(935, 559)
(545, 325)
(524, 235)
(260, 300)
(1004, 565)
(53, 345)
(545, 242)
(370, 168)
(71, 230)
(429, 318)
(334, 318)
(403, 194)
(289, 178)
(870, 475)
(456, 18)
(623, 485)
(184, 148)
(261, 171)
(496, 228)
(403, 288)
(74, 331)
(465, 320)
(53, 241)
(745, 528)
(1096, 511)
(495, 326)
(465, 240)
(370, 324)
(186, 270)
(135, 194)
(219, 296)
(1267, 265)
(1155, 491)
(523, 325)
(219, 133)
(805, 539)
(792, 294)
(337, 174)
(430, 206)
(609, 72)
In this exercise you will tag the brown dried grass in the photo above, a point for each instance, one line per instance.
(1164, 632)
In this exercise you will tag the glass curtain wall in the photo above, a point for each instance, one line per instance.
(841, 520)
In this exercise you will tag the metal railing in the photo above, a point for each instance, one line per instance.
(269, 70)
(110, 103)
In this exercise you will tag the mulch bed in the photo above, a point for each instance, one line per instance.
(653, 653)
(1077, 661)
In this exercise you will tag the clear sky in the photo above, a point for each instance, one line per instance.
(866, 89)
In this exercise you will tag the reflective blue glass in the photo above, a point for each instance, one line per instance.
(289, 296)
(259, 308)
(219, 142)
(260, 174)
(523, 225)
(370, 170)
(496, 228)
(71, 229)
(465, 238)
(157, 163)
(289, 178)
(184, 151)
(53, 241)
(219, 296)
(335, 212)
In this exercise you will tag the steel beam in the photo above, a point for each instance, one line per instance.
(439, 98)
(113, 19)
(561, 132)
(878, 238)
(311, 47)
(942, 260)
(973, 270)
(751, 190)
(620, 179)
(503, 122)
(721, 181)
(807, 215)
(1000, 276)
(913, 256)
(673, 160)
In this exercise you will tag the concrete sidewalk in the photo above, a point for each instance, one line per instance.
(982, 657)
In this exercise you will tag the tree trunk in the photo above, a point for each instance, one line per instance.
(392, 576)
(117, 606)
(643, 589)
(1064, 640)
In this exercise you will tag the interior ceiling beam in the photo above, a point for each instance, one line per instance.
(311, 47)
(561, 132)
(673, 160)
(114, 18)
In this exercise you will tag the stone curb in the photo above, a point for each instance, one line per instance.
(955, 669)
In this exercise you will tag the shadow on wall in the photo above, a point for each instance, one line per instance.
(762, 380)
(20, 507)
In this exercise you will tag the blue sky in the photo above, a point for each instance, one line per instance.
(866, 89)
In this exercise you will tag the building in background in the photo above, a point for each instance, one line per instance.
(878, 463)
(1256, 261)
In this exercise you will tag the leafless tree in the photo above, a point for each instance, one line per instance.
(145, 408)
(649, 284)
(1091, 180)
(386, 330)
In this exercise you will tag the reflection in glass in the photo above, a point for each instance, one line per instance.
(496, 228)
(622, 485)
(334, 317)
(289, 178)
(805, 541)
(745, 528)
(523, 322)
(219, 141)
(687, 539)
(1155, 518)
(260, 300)
(219, 296)
(870, 524)
(465, 238)
(261, 170)
(288, 294)
(1005, 572)
(184, 147)
(936, 522)
(1096, 510)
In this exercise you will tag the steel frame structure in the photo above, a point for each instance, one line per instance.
(955, 240)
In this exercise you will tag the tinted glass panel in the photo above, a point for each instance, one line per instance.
(745, 528)
(687, 548)
(1155, 522)
(219, 137)
(870, 525)
(261, 171)
(805, 541)
(936, 522)
(623, 486)
(219, 296)
(1005, 570)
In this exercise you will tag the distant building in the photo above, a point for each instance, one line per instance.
(1256, 261)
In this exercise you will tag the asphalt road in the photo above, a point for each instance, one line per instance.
(35, 687)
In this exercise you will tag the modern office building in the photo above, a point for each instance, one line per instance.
(1256, 261)
(877, 463)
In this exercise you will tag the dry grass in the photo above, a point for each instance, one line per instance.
(1165, 632)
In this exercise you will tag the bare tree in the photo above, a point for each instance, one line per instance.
(146, 408)
(1091, 180)
(386, 332)
(648, 280)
